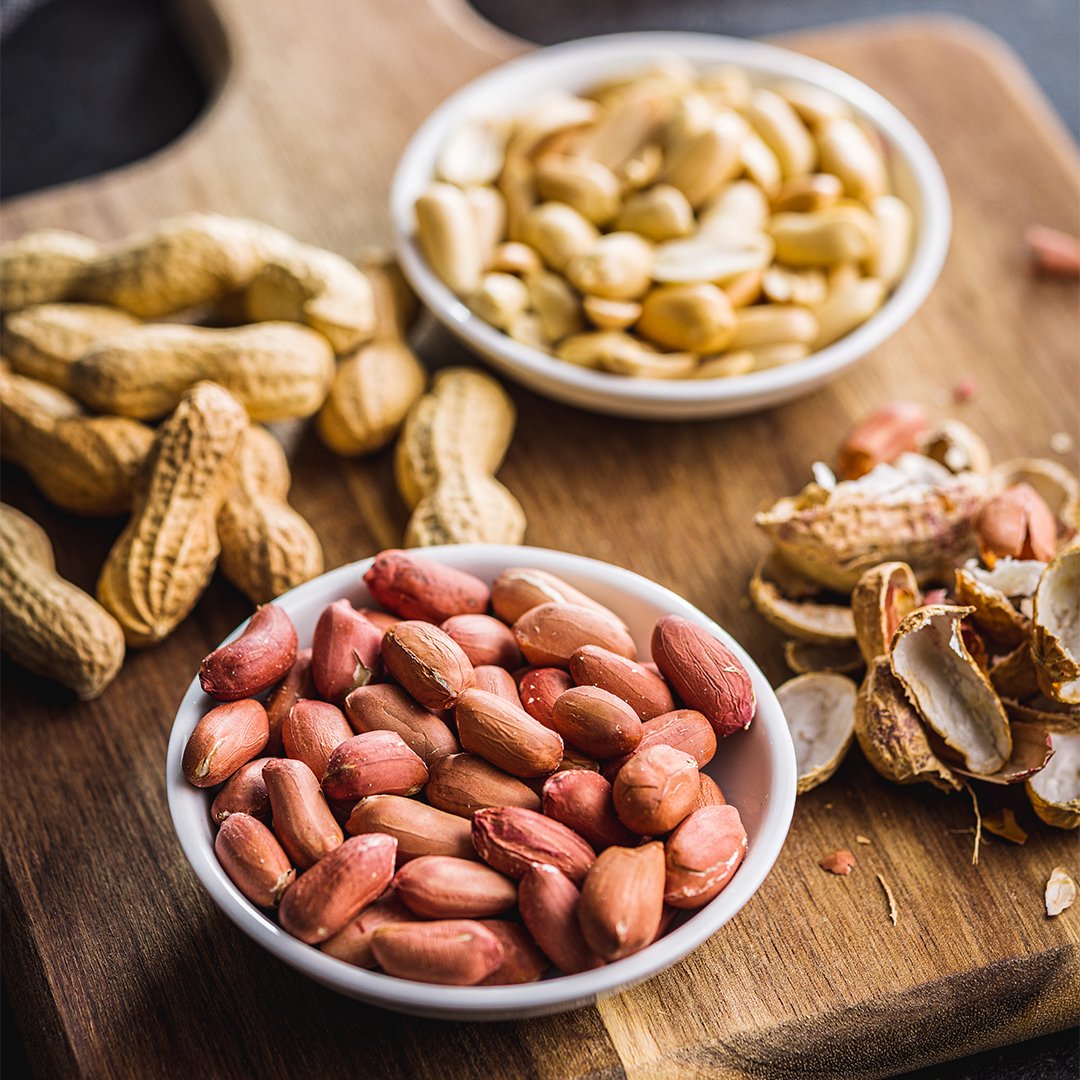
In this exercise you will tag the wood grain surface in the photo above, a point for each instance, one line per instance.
(117, 962)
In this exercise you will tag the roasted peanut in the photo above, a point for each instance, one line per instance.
(276, 370)
(161, 562)
(551, 633)
(385, 707)
(427, 662)
(267, 548)
(501, 298)
(253, 859)
(661, 213)
(442, 887)
(836, 234)
(511, 839)
(596, 721)
(645, 692)
(302, 820)
(43, 342)
(50, 626)
(847, 152)
(656, 789)
(506, 735)
(693, 317)
(484, 640)
(257, 659)
(461, 784)
(373, 763)
(618, 266)
(539, 690)
(847, 306)
(346, 651)
(243, 793)
(338, 887)
(456, 952)
(782, 131)
(702, 854)
(622, 900)
(558, 233)
(417, 588)
(85, 464)
(447, 235)
(814, 191)
(418, 828)
(582, 801)
(704, 673)
(312, 731)
(453, 442)
(589, 187)
(226, 737)
(699, 165)
(549, 901)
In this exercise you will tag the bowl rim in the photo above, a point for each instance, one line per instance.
(494, 1002)
(538, 368)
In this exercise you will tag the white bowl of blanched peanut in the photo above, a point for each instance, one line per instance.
(670, 225)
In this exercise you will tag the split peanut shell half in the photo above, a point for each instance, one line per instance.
(1013, 675)
(1056, 484)
(1055, 643)
(805, 658)
(891, 733)
(820, 712)
(1055, 791)
(882, 598)
(950, 690)
(1001, 598)
(913, 511)
(1031, 751)
(957, 447)
(1052, 716)
(804, 619)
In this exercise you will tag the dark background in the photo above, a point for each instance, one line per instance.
(87, 85)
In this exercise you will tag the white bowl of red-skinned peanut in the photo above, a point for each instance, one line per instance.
(754, 767)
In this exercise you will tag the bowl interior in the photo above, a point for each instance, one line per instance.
(755, 769)
(574, 66)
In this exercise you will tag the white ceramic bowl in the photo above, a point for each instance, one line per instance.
(510, 88)
(755, 769)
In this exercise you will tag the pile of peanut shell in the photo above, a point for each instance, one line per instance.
(517, 790)
(669, 222)
(951, 587)
(136, 378)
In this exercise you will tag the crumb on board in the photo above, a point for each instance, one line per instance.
(1053, 253)
(860, 839)
(840, 862)
(1003, 823)
(889, 897)
(978, 824)
(1060, 891)
(1061, 442)
(964, 389)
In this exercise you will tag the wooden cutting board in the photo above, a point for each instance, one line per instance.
(116, 960)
